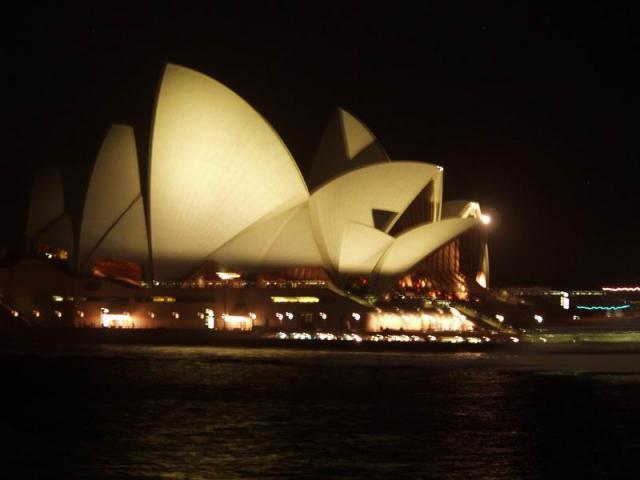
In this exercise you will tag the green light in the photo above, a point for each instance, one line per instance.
(598, 307)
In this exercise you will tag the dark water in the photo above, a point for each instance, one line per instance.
(207, 413)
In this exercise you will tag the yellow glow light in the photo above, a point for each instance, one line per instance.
(419, 322)
(485, 219)
(236, 322)
(295, 299)
(116, 320)
(160, 299)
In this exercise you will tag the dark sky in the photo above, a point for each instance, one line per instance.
(532, 111)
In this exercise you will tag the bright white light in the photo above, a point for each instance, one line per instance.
(500, 318)
(79, 312)
(289, 315)
(514, 339)
(281, 336)
(323, 315)
(485, 219)
(36, 313)
(235, 318)
(227, 275)
(209, 316)
(252, 315)
(300, 336)
(57, 313)
(237, 322)
(15, 313)
(453, 321)
(57, 298)
(325, 336)
(456, 339)
(116, 320)
(351, 337)
(175, 315)
(279, 316)
(538, 318)
(356, 316)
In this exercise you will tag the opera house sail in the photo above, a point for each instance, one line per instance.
(223, 231)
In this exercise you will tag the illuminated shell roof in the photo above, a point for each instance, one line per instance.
(351, 198)
(223, 188)
(216, 167)
(345, 144)
(461, 208)
(113, 222)
(414, 245)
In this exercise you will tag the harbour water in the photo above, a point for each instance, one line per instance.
(104, 412)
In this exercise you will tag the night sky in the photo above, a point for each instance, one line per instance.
(532, 111)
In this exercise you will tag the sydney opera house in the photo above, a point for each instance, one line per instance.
(222, 230)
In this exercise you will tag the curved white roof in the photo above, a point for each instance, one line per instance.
(345, 144)
(438, 187)
(361, 248)
(216, 167)
(415, 244)
(350, 199)
(224, 188)
(113, 221)
(282, 241)
(295, 245)
(127, 239)
(249, 247)
(46, 205)
(461, 209)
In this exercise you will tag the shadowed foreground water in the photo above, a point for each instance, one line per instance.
(209, 413)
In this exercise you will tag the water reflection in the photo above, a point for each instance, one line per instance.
(202, 412)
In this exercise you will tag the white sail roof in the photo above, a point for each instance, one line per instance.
(414, 245)
(351, 199)
(461, 209)
(113, 221)
(345, 144)
(216, 167)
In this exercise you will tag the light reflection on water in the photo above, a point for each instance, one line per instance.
(203, 412)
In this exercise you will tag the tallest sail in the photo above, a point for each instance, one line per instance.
(216, 167)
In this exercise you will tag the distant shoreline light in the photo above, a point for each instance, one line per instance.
(599, 307)
(621, 289)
